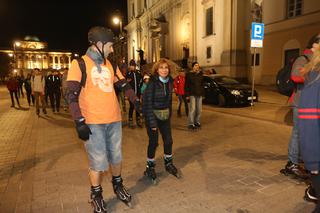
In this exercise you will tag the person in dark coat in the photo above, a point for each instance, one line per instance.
(157, 108)
(53, 85)
(135, 80)
(27, 87)
(309, 128)
(13, 86)
(194, 91)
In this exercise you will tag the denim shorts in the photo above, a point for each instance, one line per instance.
(104, 145)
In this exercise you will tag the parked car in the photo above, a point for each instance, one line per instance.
(225, 91)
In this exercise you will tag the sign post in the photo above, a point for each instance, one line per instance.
(257, 34)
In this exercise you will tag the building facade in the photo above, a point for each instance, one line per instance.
(216, 33)
(31, 53)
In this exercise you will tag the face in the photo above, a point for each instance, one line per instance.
(107, 48)
(196, 67)
(163, 70)
(315, 46)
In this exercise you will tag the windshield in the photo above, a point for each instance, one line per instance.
(225, 80)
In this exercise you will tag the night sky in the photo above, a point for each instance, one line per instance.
(64, 24)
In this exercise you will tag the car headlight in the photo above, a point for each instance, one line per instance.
(235, 92)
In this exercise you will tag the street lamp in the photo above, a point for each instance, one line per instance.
(117, 20)
(15, 44)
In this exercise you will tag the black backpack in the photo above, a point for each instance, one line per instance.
(284, 83)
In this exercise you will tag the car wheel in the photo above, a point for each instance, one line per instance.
(222, 100)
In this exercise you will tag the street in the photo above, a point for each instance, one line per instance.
(231, 165)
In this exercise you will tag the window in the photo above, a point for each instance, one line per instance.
(257, 59)
(133, 13)
(294, 8)
(208, 52)
(209, 21)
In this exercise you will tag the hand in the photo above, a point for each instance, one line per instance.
(83, 130)
(137, 106)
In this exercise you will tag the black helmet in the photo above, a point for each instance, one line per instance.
(102, 34)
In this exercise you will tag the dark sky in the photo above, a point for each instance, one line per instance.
(62, 23)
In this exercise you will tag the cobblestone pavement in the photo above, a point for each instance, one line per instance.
(231, 165)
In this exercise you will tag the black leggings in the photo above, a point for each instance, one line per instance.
(30, 97)
(165, 129)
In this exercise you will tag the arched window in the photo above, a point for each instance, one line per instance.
(56, 59)
(50, 59)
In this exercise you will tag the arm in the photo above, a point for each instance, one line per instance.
(296, 76)
(147, 106)
(121, 83)
(187, 85)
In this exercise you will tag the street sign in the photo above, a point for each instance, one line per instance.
(257, 35)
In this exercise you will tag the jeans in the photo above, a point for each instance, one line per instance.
(55, 97)
(30, 97)
(195, 108)
(37, 96)
(15, 93)
(131, 109)
(184, 99)
(165, 129)
(104, 145)
(293, 148)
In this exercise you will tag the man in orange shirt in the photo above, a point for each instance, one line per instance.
(96, 112)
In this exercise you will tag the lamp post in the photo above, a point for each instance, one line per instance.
(117, 20)
(15, 45)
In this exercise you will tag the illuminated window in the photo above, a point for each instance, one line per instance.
(294, 8)
(209, 21)
(56, 59)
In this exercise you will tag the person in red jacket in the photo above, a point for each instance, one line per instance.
(178, 86)
(13, 86)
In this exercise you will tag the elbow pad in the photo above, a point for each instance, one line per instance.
(72, 95)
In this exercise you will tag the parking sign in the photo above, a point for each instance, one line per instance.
(257, 35)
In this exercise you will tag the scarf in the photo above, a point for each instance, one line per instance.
(96, 57)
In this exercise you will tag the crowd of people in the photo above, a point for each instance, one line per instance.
(39, 87)
(97, 96)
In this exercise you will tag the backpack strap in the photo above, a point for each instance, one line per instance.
(82, 66)
(306, 57)
(114, 67)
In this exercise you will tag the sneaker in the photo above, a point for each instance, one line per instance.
(296, 170)
(310, 194)
(192, 127)
(197, 125)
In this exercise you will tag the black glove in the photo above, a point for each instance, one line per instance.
(137, 106)
(83, 130)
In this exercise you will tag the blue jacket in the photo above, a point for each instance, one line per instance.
(309, 122)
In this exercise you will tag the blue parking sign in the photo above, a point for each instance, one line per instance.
(257, 34)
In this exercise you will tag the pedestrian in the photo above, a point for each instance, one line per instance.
(135, 80)
(95, 109)
(20, 79)
(13, 87)
(157, 107)
(38, 87)
(292, 167)
(309, 128)
(54, 90)
(178, 85)
(64, 89)
(27, 87)
(194, 91)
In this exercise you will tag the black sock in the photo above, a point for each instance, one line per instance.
(96, 189)
(116, 179)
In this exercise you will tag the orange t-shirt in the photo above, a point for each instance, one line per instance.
(98, 101)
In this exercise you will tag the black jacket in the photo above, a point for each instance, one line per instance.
(157, 95)
(135, 81)
(53, 83)
(194, 85)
